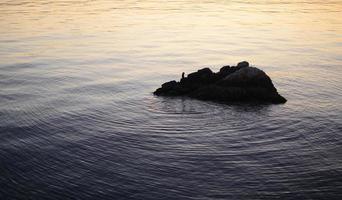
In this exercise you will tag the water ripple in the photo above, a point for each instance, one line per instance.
(78, 119)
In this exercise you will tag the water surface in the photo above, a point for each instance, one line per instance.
(78, 119)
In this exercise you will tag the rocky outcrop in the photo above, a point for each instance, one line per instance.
(240, 83)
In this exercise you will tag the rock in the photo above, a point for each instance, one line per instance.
(224, 69)
(167, 87)
(243, 64)
(202, 76)
(202, 73)
(247, 77)
(239, 83)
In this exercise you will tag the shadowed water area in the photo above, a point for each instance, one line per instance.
(78, 119)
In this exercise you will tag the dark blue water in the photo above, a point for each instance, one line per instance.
(78, 119)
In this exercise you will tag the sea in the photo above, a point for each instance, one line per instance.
(78, 118)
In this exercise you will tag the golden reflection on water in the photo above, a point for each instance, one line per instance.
(196, 32)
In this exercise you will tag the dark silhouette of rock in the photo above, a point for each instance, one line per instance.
(239, 83)
(243, 64)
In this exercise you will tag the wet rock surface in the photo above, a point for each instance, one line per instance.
(240, 83)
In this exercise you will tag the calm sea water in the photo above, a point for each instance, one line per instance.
(78, 119)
